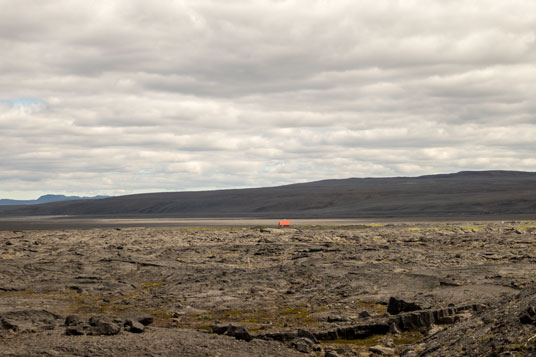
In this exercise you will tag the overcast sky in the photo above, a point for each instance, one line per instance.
(126, 96)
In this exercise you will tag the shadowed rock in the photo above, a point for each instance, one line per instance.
(134, 326)
(397, 306)
(72, 320)
(529, 316)
(103, 326)
(238, 332)
(302, 344)
(28, 320)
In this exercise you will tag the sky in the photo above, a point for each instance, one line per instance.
(128, 96)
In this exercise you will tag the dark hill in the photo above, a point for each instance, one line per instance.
(464, 194)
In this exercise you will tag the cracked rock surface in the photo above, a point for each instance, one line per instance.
(316, 289)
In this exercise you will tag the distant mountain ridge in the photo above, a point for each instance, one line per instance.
(46, 199)
(464, 194)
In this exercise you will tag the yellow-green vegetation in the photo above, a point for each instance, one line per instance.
(204, 327)
(160, 314)
(297, 315)
(28, 292)
(286, 316)
(365, 342)
(148, 285)
(377, 307)
(375, 225)
(8, 256)
(88, 304)
(446, 228)
(527, 227)
(204, 317)
(408, 337)
(232, 312)
(405, 338)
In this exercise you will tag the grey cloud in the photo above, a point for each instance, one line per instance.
(137, 96)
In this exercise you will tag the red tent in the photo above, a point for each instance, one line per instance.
(284, 223)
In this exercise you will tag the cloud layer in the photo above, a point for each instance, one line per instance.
(115, 97)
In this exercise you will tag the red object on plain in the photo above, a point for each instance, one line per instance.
(284, 223)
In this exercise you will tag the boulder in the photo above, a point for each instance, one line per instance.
(529, 316)
(76, 330)
(28, 320)
(100, 326)
(7, 324)
(134, 326)
(72, 320)
(307, 334)
(331, 353)
(238, 332)
(397, 306)
(364, 314)
(144, 319)
(302, 344)
(381, 350)
(416, 321)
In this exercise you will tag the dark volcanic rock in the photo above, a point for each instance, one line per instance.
(529, 316)
(281, 336)
(134, 326)
(307, 334)
(331, 353)
(238, 332)
(416, 321)
(302, 344)
(77, 330)
(397, 306)
(499, 330)
(72, 320)
(423, 320)
(364, 314)
(144, 319)
(103, 326)
(28, 320)
(6, 324)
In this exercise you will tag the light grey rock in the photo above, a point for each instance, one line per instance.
(134, 326)
(381, 350)
(238, 332)
(302, 344)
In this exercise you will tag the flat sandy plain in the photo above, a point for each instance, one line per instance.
(321, 287)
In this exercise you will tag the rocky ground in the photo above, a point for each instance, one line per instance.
(438, 289)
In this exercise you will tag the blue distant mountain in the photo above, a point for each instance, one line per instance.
(46, 199)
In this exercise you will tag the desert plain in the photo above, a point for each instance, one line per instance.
(249, 288)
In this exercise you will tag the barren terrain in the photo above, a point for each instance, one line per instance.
(475, 194)
(394, 289)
